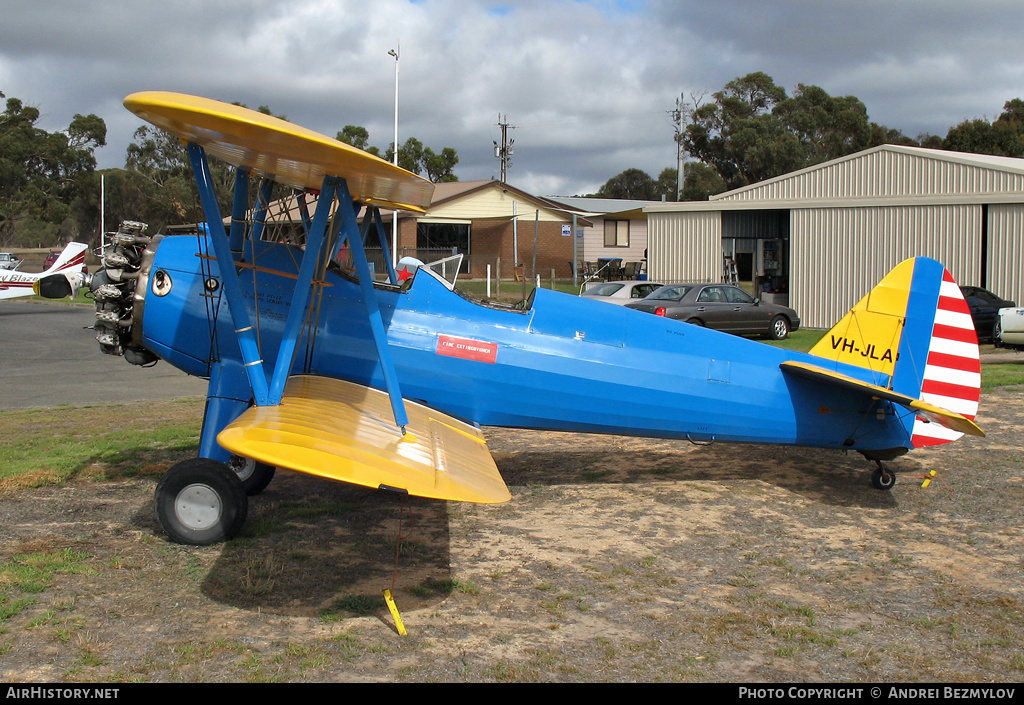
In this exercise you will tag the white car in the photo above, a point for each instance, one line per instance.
(9, 261)
(620, 293)
(1009, 330)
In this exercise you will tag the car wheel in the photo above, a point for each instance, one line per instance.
(997, 334)
(697, 322)
(779, 328)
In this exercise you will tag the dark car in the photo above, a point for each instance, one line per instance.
(984, 307)
(50, 259)
(720, 306)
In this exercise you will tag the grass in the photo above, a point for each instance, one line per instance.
(801, 340)
(28, 574)
(1001, 375)
(52, 446)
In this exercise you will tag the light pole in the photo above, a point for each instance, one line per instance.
(394, 214)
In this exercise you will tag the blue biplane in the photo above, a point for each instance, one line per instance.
(322, 368)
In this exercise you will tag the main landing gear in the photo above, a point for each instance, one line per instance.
(200, 501)
(254, 476)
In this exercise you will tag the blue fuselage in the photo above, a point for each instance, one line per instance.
(560, 363)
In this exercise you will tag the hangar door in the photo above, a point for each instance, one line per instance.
(758, 243)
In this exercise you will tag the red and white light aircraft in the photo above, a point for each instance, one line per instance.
(14, 284)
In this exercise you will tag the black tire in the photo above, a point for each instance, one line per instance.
(883, 479)
(200, 502)
(255, 476)
(697, 322)
(778, 329)
(997, 333)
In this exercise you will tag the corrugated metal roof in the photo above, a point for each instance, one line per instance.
(889, 174)
(600, 206)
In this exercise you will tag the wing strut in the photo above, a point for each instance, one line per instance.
(385, 249)
(238, 203)
(232, 289)
(303, 286)
(265, 394)
(351, 231)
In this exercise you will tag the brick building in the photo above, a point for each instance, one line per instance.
(493, 223)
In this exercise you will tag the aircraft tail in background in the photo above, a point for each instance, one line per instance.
(71, 258)
(62, 279)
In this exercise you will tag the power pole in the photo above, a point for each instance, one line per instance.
(679, 123)
(504, 151)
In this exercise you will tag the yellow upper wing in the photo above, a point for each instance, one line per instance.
(282, 151)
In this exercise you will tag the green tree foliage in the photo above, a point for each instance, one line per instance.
(634, 184)
(752, 130)
(666, 185)
(46, 179)
(702, 182)
(158, 169)
(439, 167)
(412, 155)
(157, 185)
(1004, 137)
(358, 137)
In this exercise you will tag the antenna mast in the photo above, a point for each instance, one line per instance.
(504, 150)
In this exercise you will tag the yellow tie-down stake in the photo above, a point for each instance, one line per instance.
(399, 625)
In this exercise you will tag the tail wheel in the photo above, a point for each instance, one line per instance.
(882, 478)
(255, 476)
(200, 502)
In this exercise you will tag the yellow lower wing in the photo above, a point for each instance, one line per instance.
(346, 432)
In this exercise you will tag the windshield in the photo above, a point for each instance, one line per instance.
(603, 290)
(669, 293)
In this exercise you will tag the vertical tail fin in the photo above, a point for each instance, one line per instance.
(71, 257)
(915, 333)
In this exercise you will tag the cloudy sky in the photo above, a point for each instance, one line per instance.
(587, 83)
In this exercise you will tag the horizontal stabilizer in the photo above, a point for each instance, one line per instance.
(345, 431)
(923, 409)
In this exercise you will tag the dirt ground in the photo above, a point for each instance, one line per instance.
(616, 560)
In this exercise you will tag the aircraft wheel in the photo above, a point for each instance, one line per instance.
(779, 328)
(201, 501)
(883, 479)
(255, 476)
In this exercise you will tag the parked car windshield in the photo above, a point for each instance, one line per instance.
(603, 289)
(670, 293)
